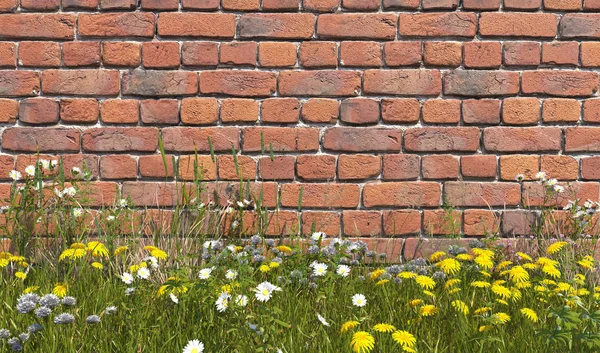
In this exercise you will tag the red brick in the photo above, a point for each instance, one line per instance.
(200, 53)
(241, 5)
(350, 139)
(199, 111)
(443, 53)
(246, 169)
(190, 24)
(560, 167)
(200, 4)
(534, 193)
(519, 139)
(478, 166)
(196, 167)
(522, 4)
(481, 83)
(280, 5)
(357, 26)
(318, 54)
(402, 53)
(441, 111)
(191, 139)
(439, 167)
(319, 221)
(238, 83)
(561, 110)
(7, 163)
(447, 24)
(481, 222)
(277, 26)
(119, 166)
(163, 5)
(81, 54)
(19, 83)
(560, 83)
(591, 111)
(282, 139)
(120, 111)
(402, 194)
(401, 4)
(118, 4)
(403, 82)
(40, 54)
(159, 83)
(442, 139)
(400, 111)
(400, 167)
(160, 111)
(521, 111)
(590, 54)
(513, 165)
(81, 82)
(439, 4)
(560, 53)
(120, 139)
(154, 166)
(358, 166)
(133, 24)
(360, 111)
(39, 111)
(319, 167)
(517, 222)
(442, 222)
(8, 54)
(361, 5)
(320, 110)
(79, 111)
(582, 139)
(522, 53)
(579, 26)
(320, 195)
(481, 111)
(38, 26)
(279, 168)
(321, 5)
(160, 55)
(361, 223)
(483, 55)
(30, 139)
(280, 110)
(482, 5)
(238, 53)
(357, 54)
(9, 110)
(319, 83)
(237, 110)
(8, 5)
(277, 54)
(121, 54)
(590, 168)
(401, 222)
(150, 194)
(507, 24)
(474, 194)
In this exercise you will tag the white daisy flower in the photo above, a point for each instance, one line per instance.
(143, 273)
(520, 177)
(129, 291)
(122, 203)
(240, 204)
(552, 182)
(359, 300)
(541, 176)
(14, 175)
(241, 300)
(70, 191)
(319, 269)
(231, 275)
(110, 218)
(30, 170)
(127, 278)
(75, 171)
(343, 270)
(53, 163)
(264, 291)
(45, 163)
(194, 346)
(323, 321)
(316, 236)
(153, 261)
(223, 302)
(174, 298)
(205, 273)
(77, 212)
(559, 188)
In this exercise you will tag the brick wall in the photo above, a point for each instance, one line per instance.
(376, 110)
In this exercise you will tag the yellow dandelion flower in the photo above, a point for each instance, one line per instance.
(16, 258)
(502, 265)
(97, 249)
(60, 289)
(580, 279)
(486, 274)
(551, 271)
(4, 263)
(159, 254)
(563, 287)
(482, 310)
(349, 325)
(273, 264)
(382, 282)
(454, 291)
(465, 257)
(428, 293)
(524, 256)
(5, 255)
(460, 306)
(483, 252)
(377, 273)
(425, 282)
(31, 289)
(78, 246)
(540, 289)
(515, 294)
(134, 268)
(428, 310)
(582, 292)
(485, 328)
(225, 288)
(416, 302)
(97, 265)
(523, 285)
(384, 328)
(362, 342)
(484, 262)
(66, 254)
(530, 314)
(450, 266)
(404, 338)
(544, 261)
(530, 266)
(264, 268)
(504, 273)
(498, 282)
(518, 274)
(436, 256)
(150, 248)
(501, 318)
(587, 262)
(121, 249)
(548, 282)
(284, 249)
(21, 275)
(503, 302)
(407, 275)
(556, 247)
(451, 283)
(481, 284)
(408, 349)
(501, 291)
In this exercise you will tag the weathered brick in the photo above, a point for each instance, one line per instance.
(561, 110)
(81, 54)
(481, 222)
(321, 5)
(356, 26)
(42, 54)
(443, 54)
(278, 168)
(160, 55)
(320, 110)
(246, 168)
(238, 110)
(79, 111)
(441, 111)
(319, 83)
(522, 4)
(560, 83)
(517, 222)
(401, 167)
(280, 5)
(361, 5)
(199, 111)
(118, 4)
(81, 82)
(163, 5)
(279, 26)
(321, 221)
(401, 222)
(401, 4)
(280, 110)
(560, 167)
(320, 167)
(320, 195)
(402, 194)
(360, 111)
(351, 139)
(526, 165)
(238, 83)
(281, 139)
(160, 111)
(19, 83)
(474, 194)
(7, 163)
(121, 54)
(591, 5)
(154, 167)
(402, 82)
(238, 53)
(30, 139)
(402, 53)
(519, 139)
(361, 223)
(39, 111)
(482, 5)
(318, 54)
(196, 167)
(190, 24)
(579, 26)
(590, 168)
(190, 139)
(507, 24)
(37, 26)
(442, 222)
(277, 54)
(534, 193)
(440, 139)
(478, 166)
(9, 110)
(443, 24)
(8, 55)
(481, 111)
(118, 166)
(582, 139)
(481, 83)
(8, 5)
(200, 53)
(521, 111)
(151, 194)
(120, 139)
(483, 55)
(132, 24)
(439, 4)
(120, 111)
(590, 54)
(159, 83)
(522, 53)
(560, 53)
(200, 4)
(361, 54)
(400, 111)
(440, 167)
(358, 166)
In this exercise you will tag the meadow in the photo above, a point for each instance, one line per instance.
(88, 288)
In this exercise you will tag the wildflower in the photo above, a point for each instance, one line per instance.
(174, 298)
(362, 342)
(49, 300)
(64, 318)
(14, 175)
(450, 266)
(359, 300)
(110, 310)
(264, 291)
(501, 291)
(205, 273)
(77, 212)
(241, 300)
(69, 191)
(97, 265)
(501, 318)
(110, 218)
(60, 289)
(223, 302)
(484, 261)
(34, 328)
(120, 250)
(551, 271)
(555, 247)
(428, 310)
(349, 325)
(460, 306)
(129, 291)
(319, 269)
(25, 306)
(520, 177)
(30, 170)
(69, 301)
(231, 275)
(322, 320)
(122, 203)
(264, 268)
(21, 275)
(524, 256)
(518, 274)
(4, 334)
(541, 176)
(143, 273)
(404, 338)
(407, 275)
(194, 346)
(559, 189)
(92, 319)
(530, 314)
(343, 270)
(384, 328)
(43, 312)
(318, 236)
(127, 278)
(376, 274)
(425, 282)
